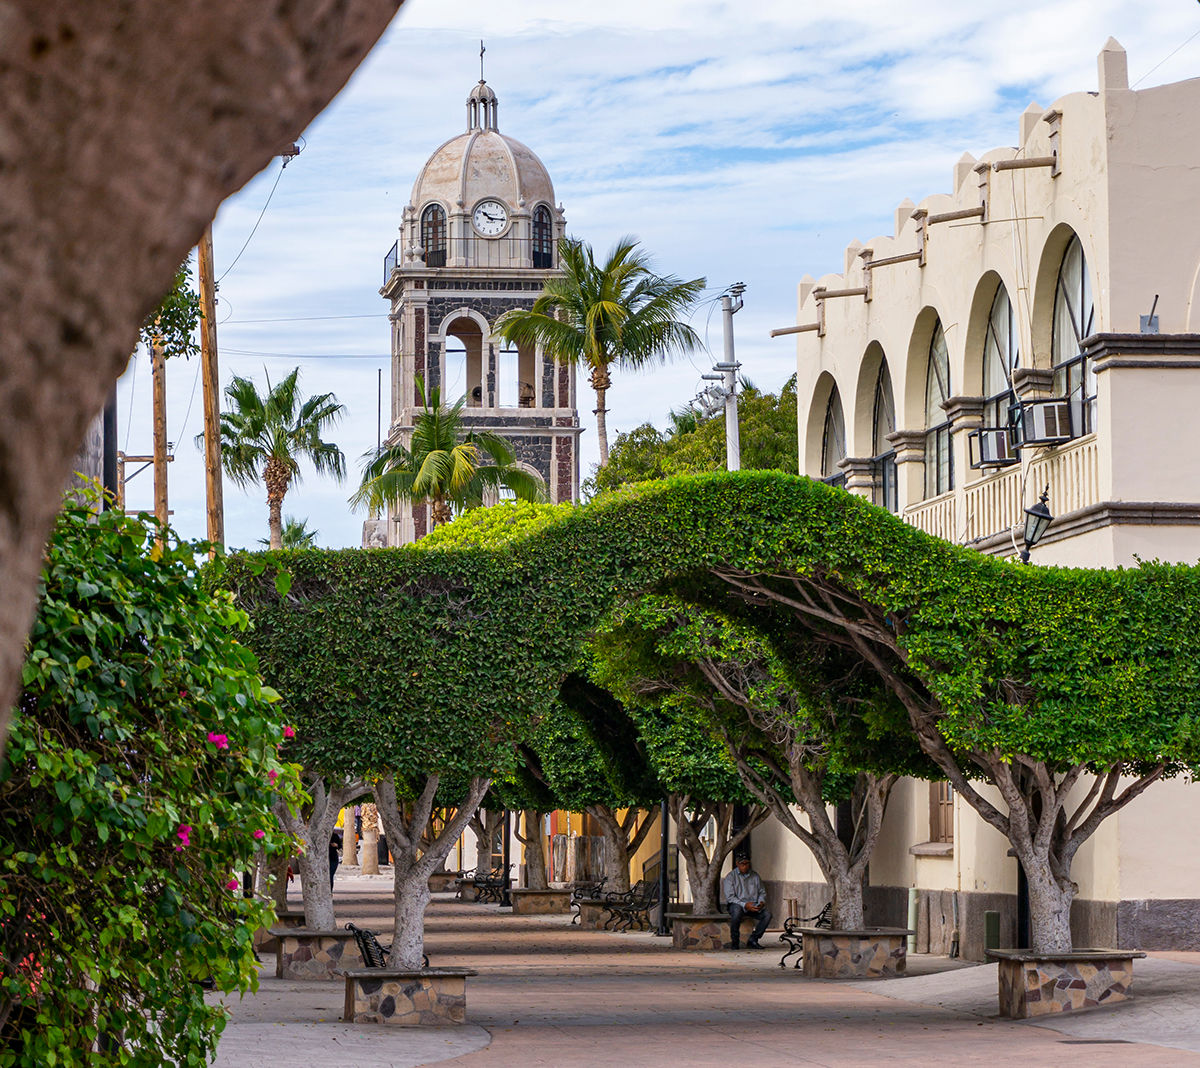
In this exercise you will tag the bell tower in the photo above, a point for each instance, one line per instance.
(478, 237)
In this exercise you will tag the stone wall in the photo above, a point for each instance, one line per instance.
(430, 998)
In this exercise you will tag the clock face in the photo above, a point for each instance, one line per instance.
(490, 218)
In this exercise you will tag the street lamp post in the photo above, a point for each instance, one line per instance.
(1037, 522)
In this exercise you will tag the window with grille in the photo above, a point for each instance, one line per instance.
(543, 238)
(883, 459)
(433, 235)
(1001, 354)
(941, 812)
(833, 442)
(939, 463)
(1074, 319)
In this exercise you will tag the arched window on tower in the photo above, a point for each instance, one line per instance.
(883, 455)
(433, 235)
(833, 442)
(1074, 319)
(543, 238)
(939, 464)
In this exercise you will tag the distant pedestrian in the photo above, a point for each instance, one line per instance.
(335, 849)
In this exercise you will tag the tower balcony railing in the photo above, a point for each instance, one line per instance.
(476, 251)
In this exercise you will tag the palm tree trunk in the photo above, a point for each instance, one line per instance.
(276, 476)
(601, 383)
(440, 512)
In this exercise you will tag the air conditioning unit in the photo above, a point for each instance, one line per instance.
(1046, 422)
(992, 446)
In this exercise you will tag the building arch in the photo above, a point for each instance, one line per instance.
(916, 364)
(461, 336)
(810, 460)
(433, 234)
(1046, 287)
(542, 237)
(861, 428)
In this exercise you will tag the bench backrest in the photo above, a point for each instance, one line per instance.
(368, 946)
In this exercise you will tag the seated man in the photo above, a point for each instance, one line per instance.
(744, 893)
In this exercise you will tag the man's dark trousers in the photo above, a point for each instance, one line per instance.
(736, 912)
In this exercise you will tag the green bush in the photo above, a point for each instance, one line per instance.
(136, 787)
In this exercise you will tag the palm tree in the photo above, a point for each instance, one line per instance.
(616, 314)
(263, 439)
(296, 534)
(444, 465)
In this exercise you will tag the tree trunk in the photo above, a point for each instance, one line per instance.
(168, 142)
(314, 828)
(846, 883)
(485, 823)
(601, 383)
(275, 884)
(622, 839)
(411, 877)
(535, 853)
(703, 868)
(1049, 907)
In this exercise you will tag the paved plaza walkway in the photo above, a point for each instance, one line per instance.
(549, 994)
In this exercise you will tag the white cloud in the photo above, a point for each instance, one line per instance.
(741, 142)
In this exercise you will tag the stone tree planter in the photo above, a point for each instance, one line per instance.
(1041, 984)
(878, 953)
(424, 998)
(265, 941)
(705, 930)
(540, 902)
(441, 881)
(314, 955)
(592, 914)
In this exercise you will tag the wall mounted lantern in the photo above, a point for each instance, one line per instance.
(1037, 520)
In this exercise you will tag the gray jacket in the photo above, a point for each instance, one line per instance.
(739, 889)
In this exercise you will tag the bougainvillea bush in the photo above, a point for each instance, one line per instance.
(136, 788)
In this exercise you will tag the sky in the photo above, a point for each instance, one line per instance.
(740, 142)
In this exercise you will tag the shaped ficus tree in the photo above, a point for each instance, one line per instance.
(1071, 691)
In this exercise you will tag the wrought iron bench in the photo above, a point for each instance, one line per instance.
(374, 954)
(792, 937)
(632, 906)
(491, 887)
(586, 892)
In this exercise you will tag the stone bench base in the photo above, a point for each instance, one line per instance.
(441, 881)
(703, 930)
(1043, 984)
(314, 955)
(592, 914)
(430, 997)
(880, 953)
(540, 902)
(265, 942)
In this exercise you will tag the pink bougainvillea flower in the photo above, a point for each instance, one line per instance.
(289, 732)
(260, 834)
(233, 884)
(183, 834)
(221, 741)
(272, 775)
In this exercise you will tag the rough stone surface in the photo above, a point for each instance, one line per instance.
(433, 997)
(265, 942)
(704, 931)
(592, 914)
(1033, 987)
(540, 902)
(441, 881)
(855, 954)
(314, 955)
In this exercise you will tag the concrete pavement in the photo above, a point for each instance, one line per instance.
(550, 994)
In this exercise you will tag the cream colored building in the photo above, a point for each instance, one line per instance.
(1026, 289)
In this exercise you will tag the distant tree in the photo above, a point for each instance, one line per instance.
(296, 534)
(693, 444)
(173, 324)
(444, 465)
(264, 438)
(615, 314)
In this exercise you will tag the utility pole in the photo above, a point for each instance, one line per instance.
(158, 366)
(210, 383)
(727, 369)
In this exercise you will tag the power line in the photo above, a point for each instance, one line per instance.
(255, 227)
(306, 355)
(304, 319)
(1163, 60)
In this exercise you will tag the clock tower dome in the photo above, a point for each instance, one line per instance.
(478, 238)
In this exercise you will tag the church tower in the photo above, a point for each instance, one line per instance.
(479, 237)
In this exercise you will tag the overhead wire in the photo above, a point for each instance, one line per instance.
(250, 237)
(1164, 59)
